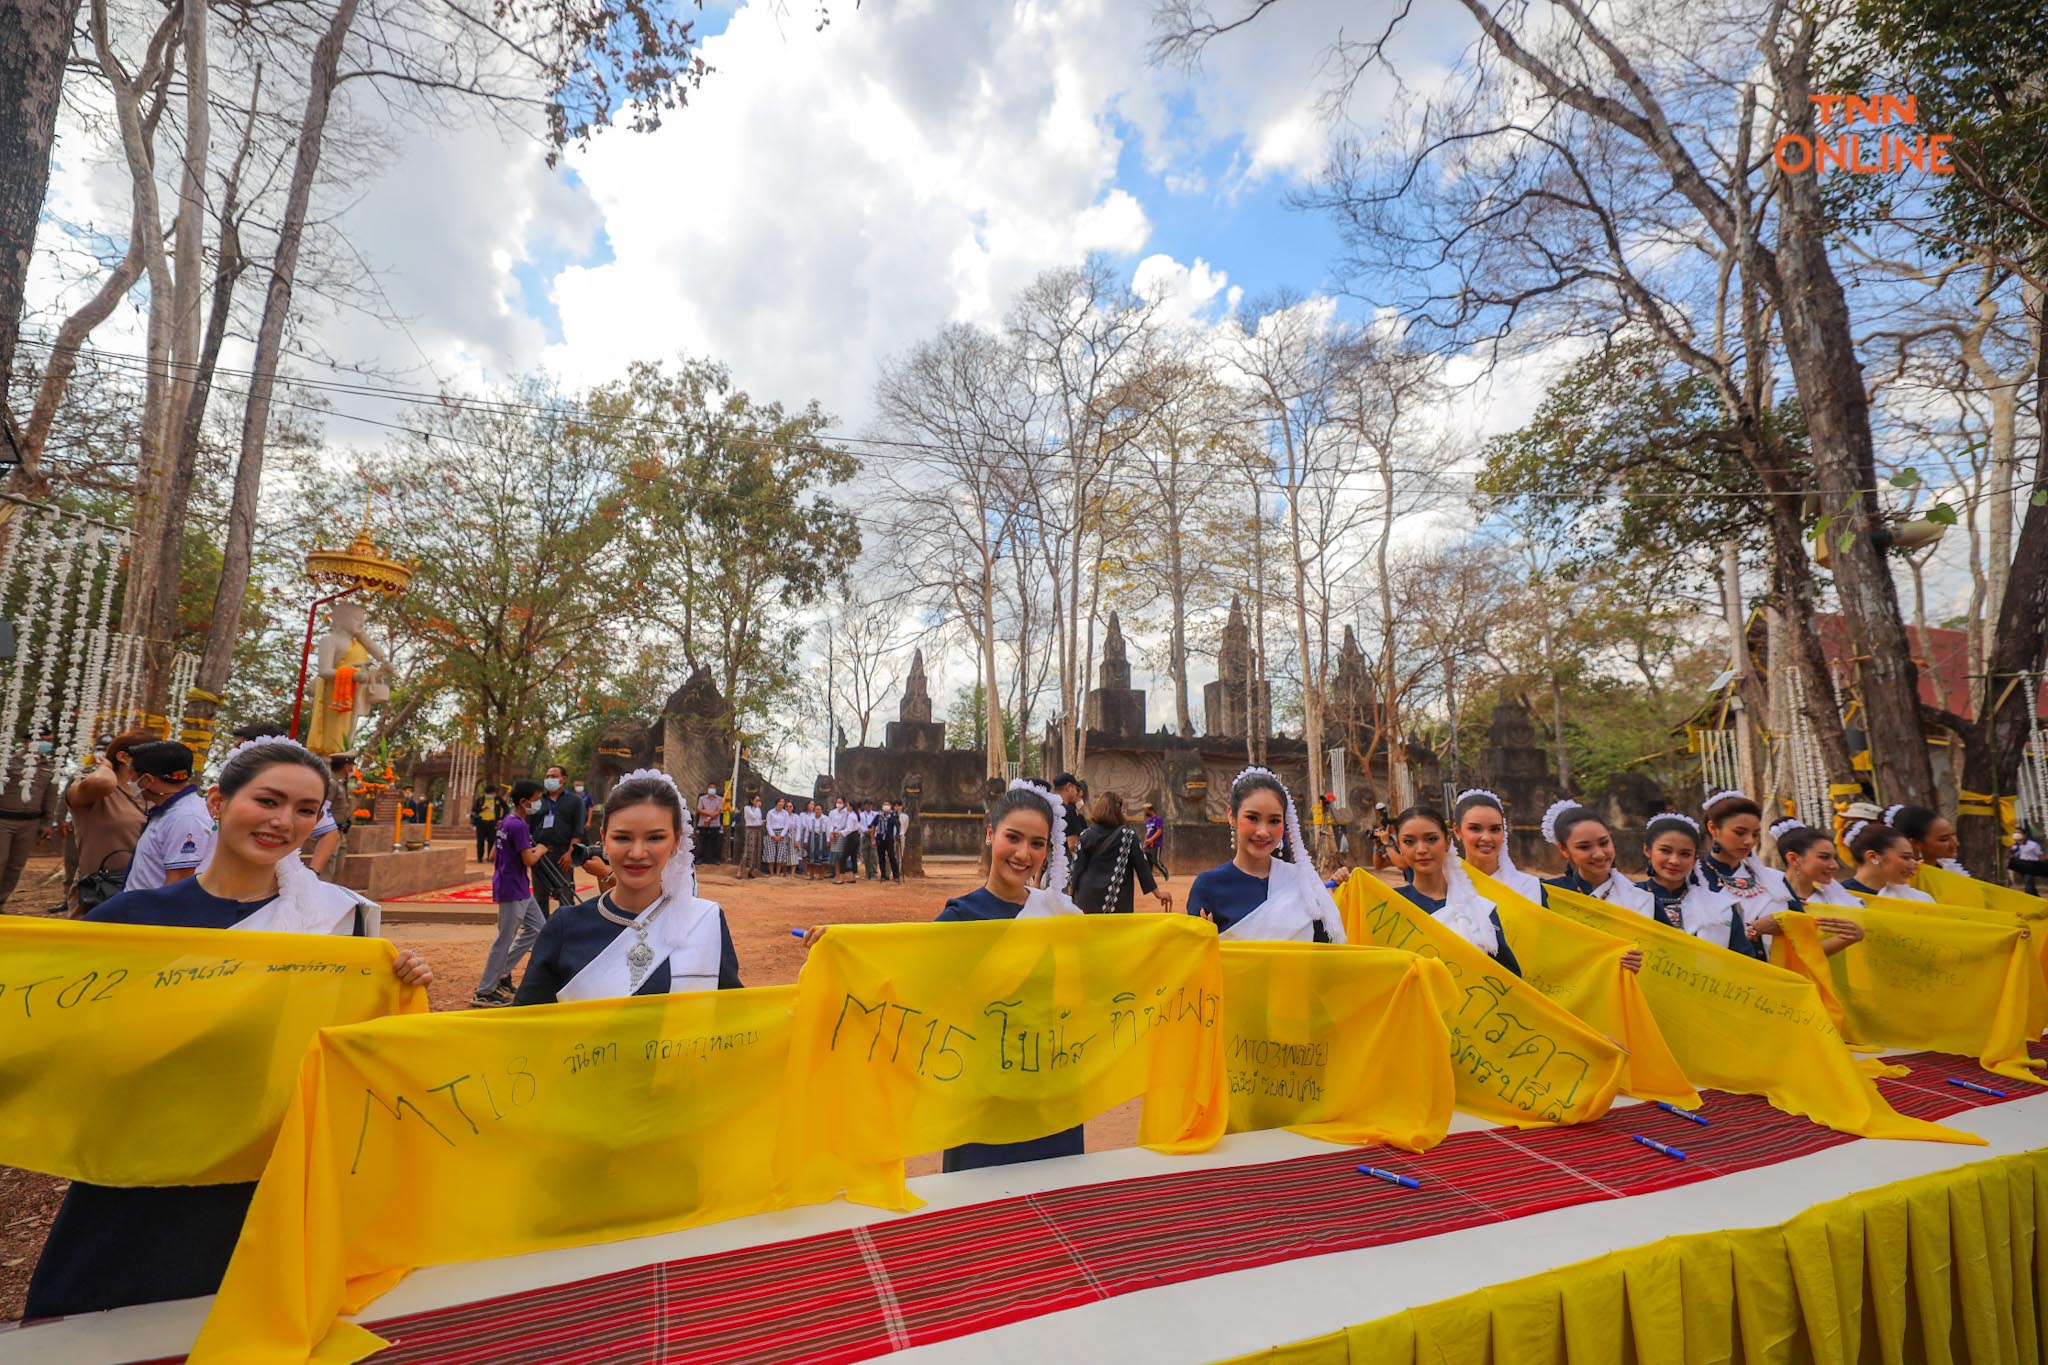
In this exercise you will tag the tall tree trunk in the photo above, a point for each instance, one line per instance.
(35, 43)
(1564, 762)
(1254, 727)
(1311, 683)
(1993, 744)
(225, 627)
(1821, 351)
(1792, 577)
(1177, 591)
(153, 455)
(992, 695)
(163, 617)
(185, 322)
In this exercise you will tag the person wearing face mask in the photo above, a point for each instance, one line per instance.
(519, 916)
(558, 829)
(178, 832)
(106, 810)
(27, 817)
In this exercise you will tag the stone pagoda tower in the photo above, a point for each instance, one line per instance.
(1227, 702)
(1115, 707)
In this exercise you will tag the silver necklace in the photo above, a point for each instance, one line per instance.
(639, 957)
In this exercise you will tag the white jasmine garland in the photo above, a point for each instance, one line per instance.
(72, 739)
(24, 646)
(62, 574)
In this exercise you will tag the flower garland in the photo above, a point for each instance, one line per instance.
(63, 573)
(24, 646)
(72, 741)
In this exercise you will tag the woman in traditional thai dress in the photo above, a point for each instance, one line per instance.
(1810, 867)
(109, 1248)
(777, 824)
(1269, 889)
(1686, 898)
(1730, 862)
(1481, 824)
(1588, 848)
(650, 934)
(1933, 835)
(1886, 862)
(1437, 885)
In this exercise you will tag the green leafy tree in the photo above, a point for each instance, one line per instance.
(511, 629)
(734, 527)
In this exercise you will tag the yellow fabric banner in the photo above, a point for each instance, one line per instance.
(2036, 929)
(1580, 968)
(1925, 981)
(1520, 1058)
(144, 1056)
(1951, 1266)
(1953, 888)
(462, 1137)
(1744, 1026)
(916, 1037)
(1344, 1043)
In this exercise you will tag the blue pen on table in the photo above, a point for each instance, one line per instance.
(1687, 1115)
(1408, 1182)
(1657, 1146)
(1980, 1089)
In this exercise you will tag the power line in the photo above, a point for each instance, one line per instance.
(920, 453)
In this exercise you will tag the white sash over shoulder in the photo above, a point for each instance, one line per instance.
(307, 905)
(1042, 901)
(1619, 890)
(1525, 884)
(1834, 893)
(1466, 913)
(685, 935)
(334, 912)
(1290, 914)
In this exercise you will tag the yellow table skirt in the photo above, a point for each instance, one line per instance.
(1951, 1266)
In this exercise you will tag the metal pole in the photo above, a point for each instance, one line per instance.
(1738, 662)
(306, 652)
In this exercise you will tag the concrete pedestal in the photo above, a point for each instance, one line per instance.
(383, 874)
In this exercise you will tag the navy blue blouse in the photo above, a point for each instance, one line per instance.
(575, 934)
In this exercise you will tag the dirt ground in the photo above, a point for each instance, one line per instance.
(760, 913)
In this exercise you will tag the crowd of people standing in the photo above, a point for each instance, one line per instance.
(845, 843)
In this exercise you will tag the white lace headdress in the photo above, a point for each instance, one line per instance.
(1557, 808)
(1055, 877)
(1507, 859)
(1730, 794)
(678, 874)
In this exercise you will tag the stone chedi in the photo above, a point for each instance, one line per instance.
(1227, 704)
(1515, 768)
(914, 727)
(1115, 707)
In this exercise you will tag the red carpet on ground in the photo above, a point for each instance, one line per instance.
(852, 1295)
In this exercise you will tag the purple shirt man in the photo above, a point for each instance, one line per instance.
(509, 879)
(519, 915)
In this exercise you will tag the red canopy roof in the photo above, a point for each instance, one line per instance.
(1944, 659)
